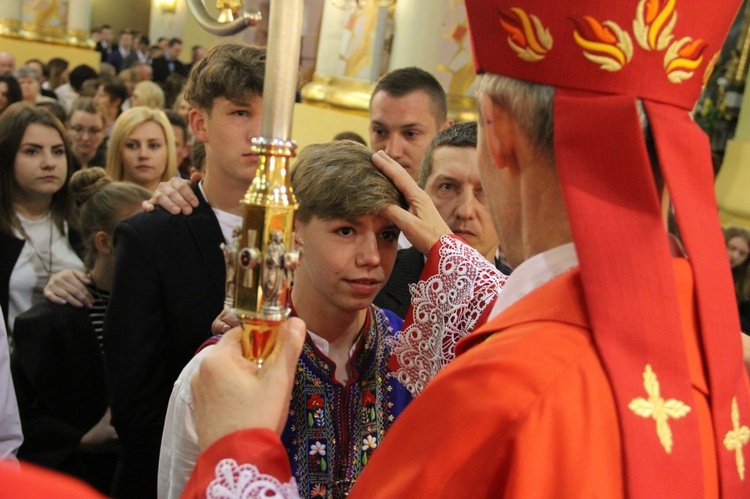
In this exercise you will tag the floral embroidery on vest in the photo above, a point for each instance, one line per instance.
(446, 307)
(333, 429)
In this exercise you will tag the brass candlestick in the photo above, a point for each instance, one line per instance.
(260, 260)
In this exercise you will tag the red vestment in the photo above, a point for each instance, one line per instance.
(525, 411)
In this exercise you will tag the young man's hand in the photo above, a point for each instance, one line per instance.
(175, 195)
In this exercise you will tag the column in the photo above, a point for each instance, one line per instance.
(734, 176)
(79, 20)
(351, 50)
(434, 36)
(10, 17)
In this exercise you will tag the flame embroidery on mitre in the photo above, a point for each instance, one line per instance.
(682, 58)
(604, 43)
(654, 22)
(526, 35)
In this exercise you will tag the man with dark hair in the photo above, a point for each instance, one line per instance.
(450, 176)
(147, 349)
(70, 91)
(197, 52)
(407, 108)
(123, 56)
(169, 62)
(142, 45)
(104, 45)
(111, 95)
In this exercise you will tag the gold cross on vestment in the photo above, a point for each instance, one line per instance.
(737, 438)
(657, 408)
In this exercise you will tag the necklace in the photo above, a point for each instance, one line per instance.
(47, 266)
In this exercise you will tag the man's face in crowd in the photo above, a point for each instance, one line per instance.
(7, 63)
(106, 35)
(175, 51)
(455, 188)
(403, 127)
(182, 148)
(227, 129)
(126, 41)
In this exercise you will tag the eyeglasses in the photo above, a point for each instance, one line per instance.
(79, 130)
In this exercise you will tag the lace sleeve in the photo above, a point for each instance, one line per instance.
(244, 481)
(457, 289)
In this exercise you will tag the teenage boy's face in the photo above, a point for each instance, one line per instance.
(227, 129)
(346, 264)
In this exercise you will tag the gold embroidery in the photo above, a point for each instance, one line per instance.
(526, 35)
(737, 438)
(605, 44)
(654, 22)
(682, 58)
(658, 408)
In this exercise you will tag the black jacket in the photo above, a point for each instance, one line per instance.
(168, 288)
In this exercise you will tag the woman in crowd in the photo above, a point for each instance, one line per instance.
(149, 94)
(738, 249)
(10, 92)
(35, 240)
(58, 73)
(58, 363)
(86, 129)
(31, 85)
(141, 149)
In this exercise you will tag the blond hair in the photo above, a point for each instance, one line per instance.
(149, 94)
(124, 126)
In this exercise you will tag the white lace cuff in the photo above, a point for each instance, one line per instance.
(244, 481)
(446, 307)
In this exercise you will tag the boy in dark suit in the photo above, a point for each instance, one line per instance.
(169, 279)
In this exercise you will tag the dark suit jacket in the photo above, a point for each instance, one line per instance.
(58, 372)
(395, 294)
(168, 288)
(105, 52)
(160, 66)
(120, 63)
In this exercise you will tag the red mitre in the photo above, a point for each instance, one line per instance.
(602, 55)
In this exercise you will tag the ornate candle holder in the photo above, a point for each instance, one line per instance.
(261, 258)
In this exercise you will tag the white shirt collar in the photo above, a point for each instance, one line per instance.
(323, 345)
(533, 273)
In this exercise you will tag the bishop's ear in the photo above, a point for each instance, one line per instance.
(500, 130)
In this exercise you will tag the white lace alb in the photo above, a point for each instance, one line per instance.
(446, 308)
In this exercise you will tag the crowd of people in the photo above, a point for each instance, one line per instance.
(119, 192)
(116, 132)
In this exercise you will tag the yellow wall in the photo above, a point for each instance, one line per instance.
(313, 124)
(121, 14)
(24, 50)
